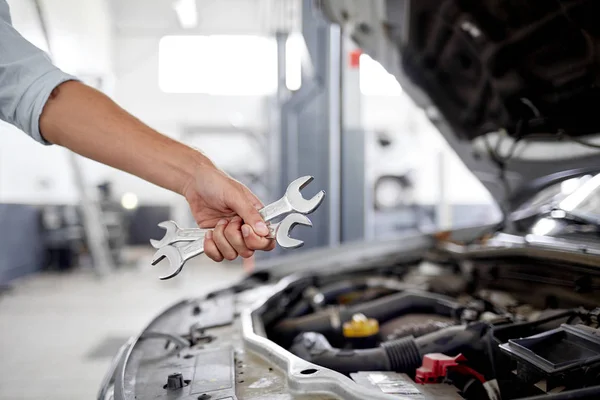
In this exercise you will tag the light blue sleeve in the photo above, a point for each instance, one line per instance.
(27, 78)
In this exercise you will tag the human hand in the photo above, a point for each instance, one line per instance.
(220, 202)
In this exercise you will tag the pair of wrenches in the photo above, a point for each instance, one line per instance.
(292, 205)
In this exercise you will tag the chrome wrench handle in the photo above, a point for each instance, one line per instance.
(186, 235)
(196, 247)
(276, 209)
(192, 249)
(189, 234)
(181, 255)
(176, 234)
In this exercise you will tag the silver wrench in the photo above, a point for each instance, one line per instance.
(176, 234)
(292, 201)
(178, 256)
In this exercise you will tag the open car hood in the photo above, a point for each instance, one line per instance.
(512, 85)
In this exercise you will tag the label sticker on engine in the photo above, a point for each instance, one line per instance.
(392, 384)
(404, 387)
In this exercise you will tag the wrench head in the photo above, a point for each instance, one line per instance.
(174, 258)
(286, 226)
(171, 229)
(299, 203)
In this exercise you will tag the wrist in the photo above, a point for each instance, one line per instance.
(196, 165)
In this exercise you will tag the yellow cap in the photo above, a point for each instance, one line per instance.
(361, 326)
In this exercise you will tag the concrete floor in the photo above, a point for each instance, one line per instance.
(58, 332)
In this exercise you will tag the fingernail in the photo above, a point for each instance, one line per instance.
(209, 235)
(261, 228)
(246, 230)
(222, 222)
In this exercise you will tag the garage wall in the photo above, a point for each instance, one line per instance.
(117, 40)
(138, 30)
(81, 41)
(136, 73)
(411, 130)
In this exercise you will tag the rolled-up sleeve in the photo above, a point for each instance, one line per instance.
(27, 78)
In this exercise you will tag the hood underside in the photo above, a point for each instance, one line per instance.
(526, 67)
(512, 85)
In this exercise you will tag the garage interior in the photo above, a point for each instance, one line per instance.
(270, 90)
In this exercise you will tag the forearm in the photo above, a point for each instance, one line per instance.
(89, 123)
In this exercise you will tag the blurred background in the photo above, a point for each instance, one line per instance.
(270, 92)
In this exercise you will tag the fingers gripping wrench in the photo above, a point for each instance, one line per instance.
(291, 202)
(178, 256)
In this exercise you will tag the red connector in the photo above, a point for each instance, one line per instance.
(435, 367)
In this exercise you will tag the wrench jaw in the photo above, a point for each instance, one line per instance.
(301, 183)
(172, 255)
(285, 228)
(299, 203)
(171, 228)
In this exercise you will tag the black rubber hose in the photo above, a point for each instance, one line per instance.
(402, 355)
(383, 310)
(453, 340)
(330, 293)
(299, 309)
(418, 329)
(315, 348)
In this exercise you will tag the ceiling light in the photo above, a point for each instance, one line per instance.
(187, 13)
(129, 201)
(390, 193)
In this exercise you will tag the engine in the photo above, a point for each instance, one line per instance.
(439, 336)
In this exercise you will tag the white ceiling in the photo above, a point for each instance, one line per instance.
(79, 32)
(143, 17)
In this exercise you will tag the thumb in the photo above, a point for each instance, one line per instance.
(245, 208)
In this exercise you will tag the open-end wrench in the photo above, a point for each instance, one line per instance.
(292, 201)
(176, 234)
(177, 256)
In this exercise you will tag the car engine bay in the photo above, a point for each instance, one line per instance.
(475, 342)
(436, 327)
